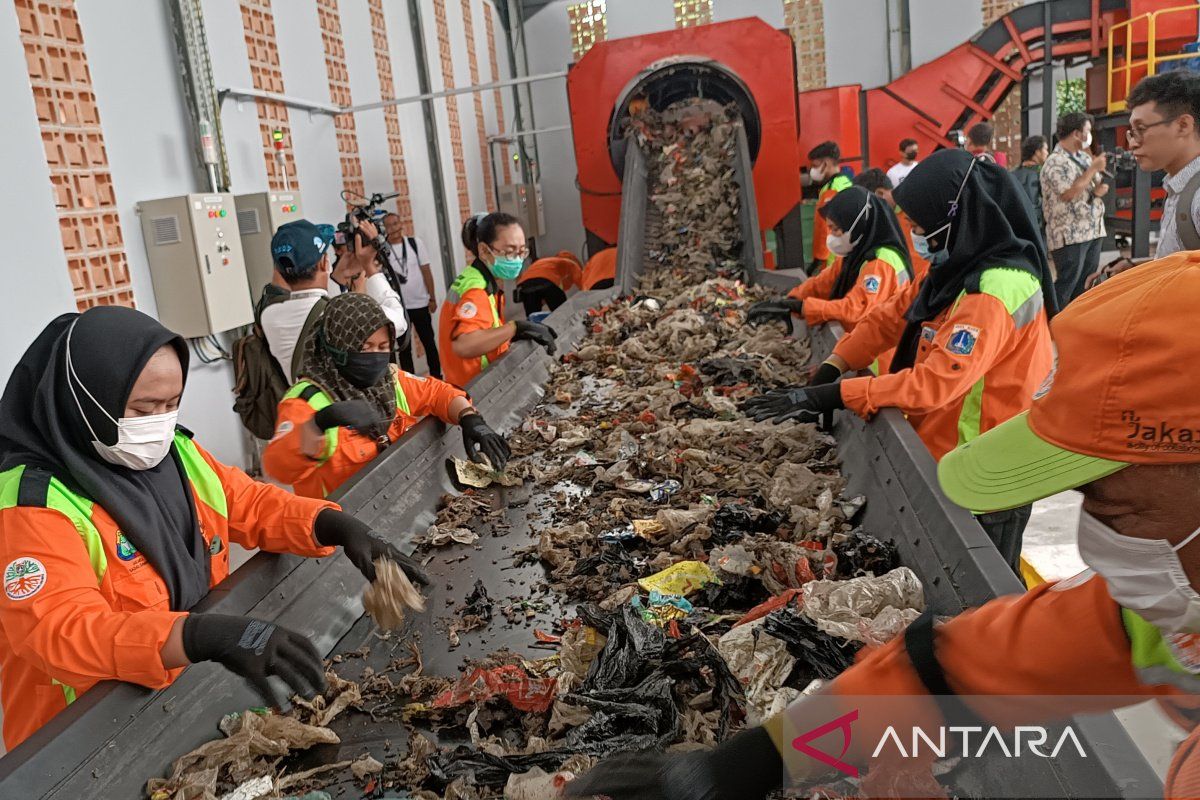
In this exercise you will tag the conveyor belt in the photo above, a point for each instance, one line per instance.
(116, 736)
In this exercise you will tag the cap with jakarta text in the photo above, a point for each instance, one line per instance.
(296, 247)
(1124, 389)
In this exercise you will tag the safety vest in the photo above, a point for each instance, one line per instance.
(1159, 658)
(37, 488)
(889, 256)
(1021, 294)
(316, 398)
(471, 278)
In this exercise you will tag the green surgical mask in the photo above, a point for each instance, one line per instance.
(508, 267)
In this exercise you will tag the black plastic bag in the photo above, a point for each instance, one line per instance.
(863, 554)
(822, 655)
(484, 769)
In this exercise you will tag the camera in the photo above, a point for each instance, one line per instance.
(1120, 160)
(347, 234)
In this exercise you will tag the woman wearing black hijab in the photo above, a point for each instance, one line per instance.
(113, 523)
(972, 341)
(874, 265)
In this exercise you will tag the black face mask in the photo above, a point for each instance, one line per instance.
(364, 370)
(911, 155)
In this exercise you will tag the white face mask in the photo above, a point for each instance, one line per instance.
(1087, 140)
(1143, 575)
(142, 442)
(843, 245)
(815, 174)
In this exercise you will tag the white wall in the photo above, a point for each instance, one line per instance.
(148, 139)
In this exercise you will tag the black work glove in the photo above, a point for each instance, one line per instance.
(775, 311)
(535, 332)
(362, 545)
(805, 404)
(347, 414)
(744, 767)
(826, 373)
(480, 440)
(256, 650)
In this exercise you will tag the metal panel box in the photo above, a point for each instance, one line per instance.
(524, 201)
(196, 263)
(259, 215)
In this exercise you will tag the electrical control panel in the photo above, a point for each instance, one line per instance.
(524, 201)
(196, 263)
(259, 215)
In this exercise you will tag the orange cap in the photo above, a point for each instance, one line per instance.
(1123, 390)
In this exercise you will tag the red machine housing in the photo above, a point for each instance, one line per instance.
(754, 59)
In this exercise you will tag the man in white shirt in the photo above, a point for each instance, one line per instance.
(908, 162)
(301, 255)
(409, 255)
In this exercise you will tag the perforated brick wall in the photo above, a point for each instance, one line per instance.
(485, 155)
(805, 20)
(588, 22)
(339, 94)
(456, 143)
(73, 142)
(391, 116)
(692, 12)
(258, 26)
(498, 95)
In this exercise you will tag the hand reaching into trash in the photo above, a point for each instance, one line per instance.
(805, 404)
(535, 332)
(824, 373)
(775, 311)
(362, 545)
(480, 441)
(256, 650)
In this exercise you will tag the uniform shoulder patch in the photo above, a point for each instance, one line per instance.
(24, 577)
(467, 310)
(928, 333)
(871, 284)
(283, 430)
(962, 340)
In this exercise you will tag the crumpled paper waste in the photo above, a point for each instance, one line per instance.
(762, 663)
(482, 476)
(390, 595)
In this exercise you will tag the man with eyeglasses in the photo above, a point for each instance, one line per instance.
(1164, 133)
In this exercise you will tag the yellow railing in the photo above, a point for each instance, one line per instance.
(1152, 59)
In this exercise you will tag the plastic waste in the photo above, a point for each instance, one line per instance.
(681, 578)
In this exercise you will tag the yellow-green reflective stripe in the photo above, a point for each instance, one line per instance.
(10, 485)
(68, 691)
(401, 400)
(74, 507)
(969, 421)
(889, 256)
(203, 477)
(317, 402)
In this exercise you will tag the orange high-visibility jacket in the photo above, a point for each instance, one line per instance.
(820, 250)
(346, 451)
(879, 278)
(978, 362)
(468, 306)
(81, 605)
(1068, 642)
(562, 270)
(602, 266)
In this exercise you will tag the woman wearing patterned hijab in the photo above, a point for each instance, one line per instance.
(351, 402)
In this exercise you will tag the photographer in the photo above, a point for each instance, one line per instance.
(357, 268)
(1072, 192)
(1164, 111)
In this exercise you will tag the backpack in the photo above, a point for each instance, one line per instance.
(259, 382)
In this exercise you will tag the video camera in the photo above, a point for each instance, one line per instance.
(348, 234)
(1120, 160)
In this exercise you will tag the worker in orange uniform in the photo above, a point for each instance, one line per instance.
(471, 329)
(600, 272)
(547, 281)
(876, 180)
(872, 266)
(114, 523)
(825, 170)
(972, 343)
(351, 402)
(1116, 421)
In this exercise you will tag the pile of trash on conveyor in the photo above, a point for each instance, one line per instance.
(690, 149)
(715, 565)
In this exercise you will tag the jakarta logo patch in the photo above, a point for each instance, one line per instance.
(125, 550)
(871, 284)
(23, 578)
(962, 340)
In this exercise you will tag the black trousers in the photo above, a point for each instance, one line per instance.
(1006, 529)
(422, 322)
(1072, 266)
(536, 291)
